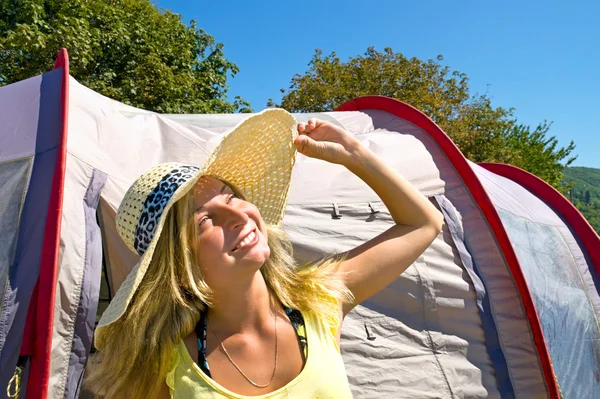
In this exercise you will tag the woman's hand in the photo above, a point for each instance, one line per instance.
(326, 141)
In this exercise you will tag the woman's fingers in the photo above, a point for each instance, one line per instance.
(303, 128)
(309, 126)
(303, 144)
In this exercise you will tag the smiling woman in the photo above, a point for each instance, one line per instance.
(216, 306)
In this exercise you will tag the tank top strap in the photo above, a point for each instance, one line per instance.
(201, 339)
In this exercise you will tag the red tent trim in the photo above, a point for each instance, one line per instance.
(39, 374)
(416, 117)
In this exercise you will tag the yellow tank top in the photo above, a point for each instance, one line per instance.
(323, 375)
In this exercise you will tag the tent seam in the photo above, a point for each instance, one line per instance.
(95, 168)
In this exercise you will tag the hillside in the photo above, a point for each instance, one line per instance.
(585, 192)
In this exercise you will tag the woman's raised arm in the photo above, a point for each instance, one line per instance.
(371, 266)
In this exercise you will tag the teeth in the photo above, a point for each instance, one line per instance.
(245, 241)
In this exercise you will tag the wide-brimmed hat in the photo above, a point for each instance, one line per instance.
(256, 157)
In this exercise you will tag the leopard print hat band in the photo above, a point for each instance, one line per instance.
(155, 204)
(145, 201)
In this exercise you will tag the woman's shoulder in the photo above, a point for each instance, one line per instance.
(164, 392)
(322, 323)
(190, 343)
(177, 355)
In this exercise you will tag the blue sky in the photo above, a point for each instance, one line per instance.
(540, 57)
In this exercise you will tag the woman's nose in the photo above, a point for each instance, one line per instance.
(234, 216)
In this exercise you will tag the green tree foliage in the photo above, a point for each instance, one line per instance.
(535, 152)
(482, 132)
(583, 190)
(125, 49)
(587, 197)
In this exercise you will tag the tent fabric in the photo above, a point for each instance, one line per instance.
(559, 204)
(471, 318)
(486, 237)
(14, 178)
(571, 330)
(540, 211)
(555, 268)
(424, 327)
(31, 131)
(577, 233)
(79, 308)
(452, 218)
(527, 377)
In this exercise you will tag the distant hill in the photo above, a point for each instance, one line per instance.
(585, 192)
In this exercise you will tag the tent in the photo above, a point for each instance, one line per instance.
(503, 304)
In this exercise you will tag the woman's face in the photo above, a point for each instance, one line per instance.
(232, 237)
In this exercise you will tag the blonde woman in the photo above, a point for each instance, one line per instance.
(216, 307)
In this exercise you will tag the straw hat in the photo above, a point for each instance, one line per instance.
(256, 157)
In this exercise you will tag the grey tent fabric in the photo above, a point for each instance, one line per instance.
(571, 329)
(494, 349)
(31, 130)
(525, 372)
(421, 336)
(511, 197)
(560, 281)
(78, 283)
(19, 110)
(14, 180)
(87, 303)
(14, 177)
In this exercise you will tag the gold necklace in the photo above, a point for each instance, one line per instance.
(239, 369)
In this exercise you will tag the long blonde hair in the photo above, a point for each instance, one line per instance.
(138, 347)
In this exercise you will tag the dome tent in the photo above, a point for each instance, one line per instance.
(504, 303)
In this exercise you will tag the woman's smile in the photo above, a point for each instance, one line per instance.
(248, 241)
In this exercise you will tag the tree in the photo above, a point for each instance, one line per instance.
(585, 186)
(537, 153)
(125, 49)
(587, 197)
(482, 132)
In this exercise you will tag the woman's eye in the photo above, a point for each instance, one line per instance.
(204, 219)
(232, 196)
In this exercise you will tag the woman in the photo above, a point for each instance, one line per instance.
(216, 307)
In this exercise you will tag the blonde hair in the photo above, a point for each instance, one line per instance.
(166, 307)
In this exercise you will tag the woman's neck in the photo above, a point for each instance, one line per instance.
(242, 307)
